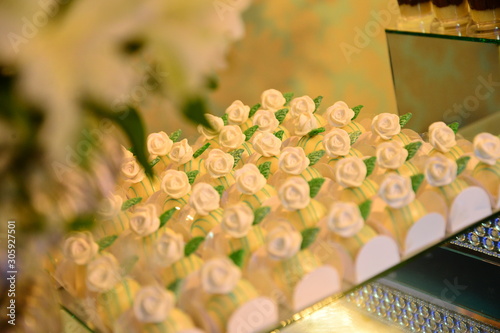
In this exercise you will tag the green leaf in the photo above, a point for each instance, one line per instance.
(82, 223)
(317, 102)
(462, 164)
(131, 202)
(454, 126)
(365, 208)
(254, 109)
(279, 134)
(315, 132)
(237, 155)
(155, 161)
(404, 119)
(201, 150)
(128, 264)
(416, 181)
(308, 237)
(219, 189)
(288, 97)
(193, 245)
(265, 169)
(106, 242)
(250, 131)
(194, 109)
(176, 135)
(175, 287)
(165, 217)
(260, 213)
(224, 119)
(315, 156)
(370, 165)
(238, 257)
(357, 110)
(354, 136)
(192, 176)
(413, 149)
(281, 114)
(315, 186)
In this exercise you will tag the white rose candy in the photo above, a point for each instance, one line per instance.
(159, 144)
(231, 137)
(249, 180)
(301, 105)
(293, 160)
(80, 248)
(441, 137)
(266, 120)
(294, 193)
(219, 276)
(110, 207)
(396, 190)
(131, 170)
(272, 100)
(169, 248)
(283, 242)
(103, 273)
(267, 144)
(219, 163)
(440, 171)
(350, 172)
(152, 304)
(391, 155)
(487, 148)
(386, 125)
(145, 220)
(237, 220)
(339, 114)
(237, 113)
(204, 199)
(175, 183)
(181, 152)
(304, 123)
(345, 219)
(217, 124)
(337, 143)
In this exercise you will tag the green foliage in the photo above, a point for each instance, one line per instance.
(176, 135)
(249, 132)
(193, 245)
(224, 119)
(279, 134)
(260, 213)
(155, 161)
(265, 169)
(454, 126)
(165, 217)
(192, 175)
(220, 189)
(412, 149)
(194, 109)
(106, 242)
(315, 156)
(131, 202)
(237, 155)
(317, 103)
(238, 257)
(82, 223)
(405, 118)
(357, 110)
(416, 181)
(462, 164)
(308, 237)
(315, 186)
(176, 287)
(254, 109)
(354, 136)
(315, 132)
(370, 165)
(281, 114)
(365, 208)
(201, 150)
(288, 97)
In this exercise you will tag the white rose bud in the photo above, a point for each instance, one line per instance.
(249, 180)
(159, 144)
(440, 171)
(204, 199)
(293, 160)
(283, 242)
(350, 172)
(219, 163)
(110, 206)
(487, 148)
(301, 105)
(145, 220)
(237, 113)
(396, 191)
(237, 220)
(216, 122)
(175, 183)
(304, 123)
(391, 155)
(339, 114)
(103, 273)
(80, 248)
(181, 152)
(153, 304)
(272, 100)
(132, 171)
(231, 137)
(169, 248)
(337, 143)
(219, 276)
(345, 219)
(267, 144)
(441, 137)
(294, 193)
(386, 125)
(266, 120)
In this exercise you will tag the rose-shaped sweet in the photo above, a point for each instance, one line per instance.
(110, 206)
(159, 144)
(219, 276)
(219, 163)
(304, 123)
(169, 248)
(337, 143)
(237, 113)
(181, 152)
(249, 180)
(216, 122)
(301, 105)
(350, 172)
(391, 155)
(441, 137)
(386, 125)
(80, 248)
(272, 100)
(339, 114)
(283, 242)
(132, 171)
(345, 219)
(396, 190)
(267, 144)
(204, 199)
(293, 160)
(266, 120)
(145, 220)
(237, 220)
(487, 148)
(152, 304)
(103, 273)
(440, 171)
(294, 193)
(231, 137)
(175, 183)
